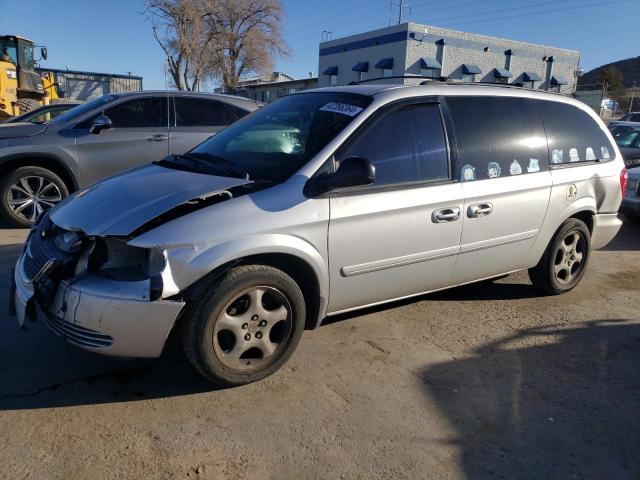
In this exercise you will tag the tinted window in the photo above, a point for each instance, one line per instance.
(573, 135)
(236, 112)
(405, 145)
(198, 112)
(631, 117)
(139, 113)
(497, 137)
(84, 108)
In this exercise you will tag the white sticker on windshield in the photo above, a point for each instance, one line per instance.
(344, 108)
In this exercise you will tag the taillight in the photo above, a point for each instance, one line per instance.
(624, 176)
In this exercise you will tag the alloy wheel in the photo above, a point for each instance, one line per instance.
(569, 258)
(252, 329)
(32, 195)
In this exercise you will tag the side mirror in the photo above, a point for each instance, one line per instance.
(43, 53)
(352, 172)
(101, 123)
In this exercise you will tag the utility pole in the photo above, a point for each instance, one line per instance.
(633, 95)
(401, 6)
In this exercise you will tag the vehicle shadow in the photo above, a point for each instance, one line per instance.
(546, 403)
(40, 370)
(487, 290)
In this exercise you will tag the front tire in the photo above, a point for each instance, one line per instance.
(27, 192)
(244, 326)
(565, 260)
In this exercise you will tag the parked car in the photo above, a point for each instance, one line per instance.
(45, 113)
(42, 164)
(630, 207)
(628, 139)
(323, 202)
(631, 117)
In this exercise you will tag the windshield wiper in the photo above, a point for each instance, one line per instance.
(202, 164)
(214, 161)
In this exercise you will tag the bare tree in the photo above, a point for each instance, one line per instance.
(248, 34)
(180, 29)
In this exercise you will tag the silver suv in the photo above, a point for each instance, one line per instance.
(323, 202)
(41, 163)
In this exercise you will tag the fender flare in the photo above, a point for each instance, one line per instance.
(548, 230)
(5, 164)
(190, 264)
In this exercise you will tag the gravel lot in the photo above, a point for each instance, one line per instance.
(486, 381)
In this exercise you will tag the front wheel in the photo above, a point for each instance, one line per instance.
(27, 192)
(564, 262)
(245, 326)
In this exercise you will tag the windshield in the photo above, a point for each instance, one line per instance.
(629, 138)
(82, 109)
(273, 143)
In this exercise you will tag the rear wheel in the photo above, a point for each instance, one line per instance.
(564, 262)
(245, 326)
(27, 104)
(27, 192)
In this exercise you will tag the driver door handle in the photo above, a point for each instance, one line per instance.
(158, 137)
(480, 210)
(446, 215)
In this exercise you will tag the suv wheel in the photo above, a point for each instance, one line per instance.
(27, 192)
(246, 326)
(564, 262)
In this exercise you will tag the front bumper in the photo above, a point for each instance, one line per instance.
(101, 315)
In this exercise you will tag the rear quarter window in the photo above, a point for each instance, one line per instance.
(572, 134)
(497, 137)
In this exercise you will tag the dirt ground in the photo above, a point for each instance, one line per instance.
(487, 381)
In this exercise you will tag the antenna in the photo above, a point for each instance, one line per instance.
(401, 6)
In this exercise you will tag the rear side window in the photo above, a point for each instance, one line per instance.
(573, 135)
(198, 112)
(139, 113)
(405, 145)
(497, 137)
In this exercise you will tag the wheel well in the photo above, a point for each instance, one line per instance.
(49, 163)
(298, 269)
(586, 216)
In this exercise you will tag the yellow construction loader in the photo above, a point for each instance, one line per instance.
(22, 88)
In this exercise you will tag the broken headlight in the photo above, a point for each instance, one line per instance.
(115, 259)
(68, 241)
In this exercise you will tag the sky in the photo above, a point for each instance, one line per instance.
(114, 36)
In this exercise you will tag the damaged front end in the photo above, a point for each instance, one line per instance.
(98, 292)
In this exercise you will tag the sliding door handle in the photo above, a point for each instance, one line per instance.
(479, 210)
(446, 215)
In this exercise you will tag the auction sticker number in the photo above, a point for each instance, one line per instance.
(344, 108)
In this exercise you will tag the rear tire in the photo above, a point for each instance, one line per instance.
(244, 326)
(565, 260)
(27, 104)
(28, 191)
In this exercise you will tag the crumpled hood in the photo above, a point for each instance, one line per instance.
(16, 130)
(122, 203)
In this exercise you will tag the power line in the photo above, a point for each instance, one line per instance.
(585, 5)
(500, 10)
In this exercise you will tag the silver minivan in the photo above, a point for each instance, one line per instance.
(323, 202)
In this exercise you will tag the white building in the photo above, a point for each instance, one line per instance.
(432, 52)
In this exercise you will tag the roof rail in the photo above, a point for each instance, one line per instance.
(445, 80)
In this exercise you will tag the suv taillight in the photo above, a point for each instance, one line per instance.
(624, 176)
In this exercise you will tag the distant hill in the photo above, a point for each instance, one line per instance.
(630, 69)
